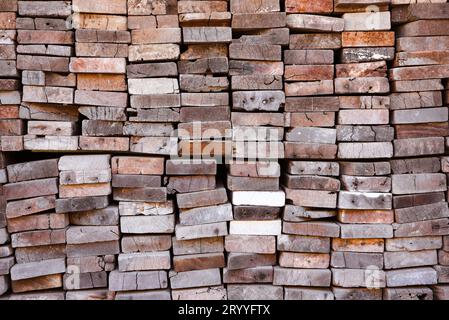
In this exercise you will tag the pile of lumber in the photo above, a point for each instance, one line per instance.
(99, 65)
(365, 145)
(224, 149)
(198, 246)
(147, 221)
(6, 250)
(416, 255)
(11, 125)
(38, 229)
(152, 77)
(256, 70)
(203, 79)
(309, 172)
(93, 234)
(44, 48)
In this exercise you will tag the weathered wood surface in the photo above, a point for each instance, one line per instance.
(344, 103)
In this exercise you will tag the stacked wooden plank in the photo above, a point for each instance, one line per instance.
(241, 149)
(6, 250)
(309, 174)
(6, 257)
(38, 233)
(204, 128)
(93, 234)
(147, 221)
(152, 76)
(441, 292)
(365, 145)
(311, 189)
(198, 250)
(419, 184)
(100, 66)
(203, 67)
(365, 218)
(45, 44)
(256, 70)
(11, 127)
(418, 70)
(251, 243)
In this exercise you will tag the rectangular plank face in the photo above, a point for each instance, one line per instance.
(224, 150)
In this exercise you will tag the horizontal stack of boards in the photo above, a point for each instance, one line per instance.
(224, 150)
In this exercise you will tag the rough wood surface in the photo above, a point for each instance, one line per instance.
(241, 150)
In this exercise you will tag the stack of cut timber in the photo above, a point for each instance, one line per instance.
(311, 190)
(309, 71)
(38, 234)
(100, 65)
(420, 117)
(310, 184)
(441, 292)
(421, 218)
(309, 111)
(256, 71)
(269, 149)
(203, 69)
(45, 39)
(6, 250)
(418, 69)
(365, 218)
(11, 127)
(198, 243)
(101, 52)
(190, 175)
(147, 221)
(366, 36)
(152, 76)
(251, 245)
(93, 235)
(6, 256)
(197, 247)
(446, 92)
(365, 144)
